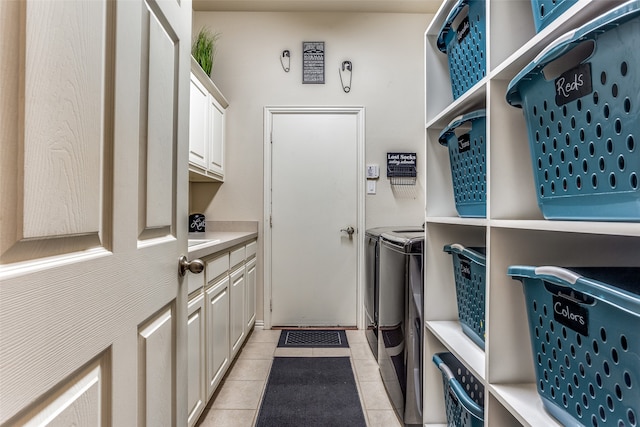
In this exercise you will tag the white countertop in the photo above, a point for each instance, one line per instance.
(204, 244)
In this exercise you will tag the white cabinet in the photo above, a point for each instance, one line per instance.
(217, 332)
(196, 397)
(237, 324)
(221, 313)
(514, 231)
(216, 135)
(250, 287)
(206, 128)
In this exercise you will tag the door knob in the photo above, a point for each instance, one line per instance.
(349, 230)
(196, 266)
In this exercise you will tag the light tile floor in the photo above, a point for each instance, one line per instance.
(237, 400)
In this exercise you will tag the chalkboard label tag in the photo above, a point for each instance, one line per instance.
(573, 84)
(571, 314)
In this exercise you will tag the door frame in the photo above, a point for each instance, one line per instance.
(359, 112)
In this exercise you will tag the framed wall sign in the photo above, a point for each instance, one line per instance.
(313, 62)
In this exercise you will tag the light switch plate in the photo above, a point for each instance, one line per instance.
(371, 187)
(373, 171)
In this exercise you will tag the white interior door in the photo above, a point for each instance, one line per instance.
(93, 179)
(314, 195)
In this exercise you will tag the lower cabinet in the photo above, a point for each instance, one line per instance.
(250, 290)
(217, 333)
(237, 326)
(221, 313)
(196, 397)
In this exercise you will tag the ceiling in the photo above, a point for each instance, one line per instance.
(385, 6)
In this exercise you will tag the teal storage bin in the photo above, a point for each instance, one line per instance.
(465, 44)
(463, 393)
(469, 268)
(465, 138)
(546, 11)
(584, 325)
(583, 122)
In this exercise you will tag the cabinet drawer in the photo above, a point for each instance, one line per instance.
(252, 249)
(217, 266)
(194, 282)
(237, 256)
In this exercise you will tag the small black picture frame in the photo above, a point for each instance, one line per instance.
(313, 62)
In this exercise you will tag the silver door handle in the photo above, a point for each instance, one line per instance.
(349, 230)
(195, 266)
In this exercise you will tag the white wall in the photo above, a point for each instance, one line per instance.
(388, 80)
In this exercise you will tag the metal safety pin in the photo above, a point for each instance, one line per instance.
(285, 57)
(347, 67)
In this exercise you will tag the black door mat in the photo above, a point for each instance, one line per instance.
(313, 338)
(311, 392)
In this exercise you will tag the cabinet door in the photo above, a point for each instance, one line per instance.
(250, 306)
(216, 137)
(195, 356)
(217, 333)
(237, 326)
(198, 123)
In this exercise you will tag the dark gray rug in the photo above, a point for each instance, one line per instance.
(311, 392)
(313, 338)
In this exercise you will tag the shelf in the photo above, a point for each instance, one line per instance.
(523, 401)
(472, 100)
(451, 335)
(584, 227)
(515, 231)
(478, 222)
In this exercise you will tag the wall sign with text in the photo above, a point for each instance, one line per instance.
(313, 62)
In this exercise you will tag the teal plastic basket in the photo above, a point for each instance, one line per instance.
(585, 335)
(463, 393)
(584, 123)
(465, 45)
(469, 268)
(465, 137)
(546, 11)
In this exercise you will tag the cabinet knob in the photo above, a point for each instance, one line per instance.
(195, 266)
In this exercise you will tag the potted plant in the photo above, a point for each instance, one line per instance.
(204, 49)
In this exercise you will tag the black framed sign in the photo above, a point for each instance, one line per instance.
(313, 62)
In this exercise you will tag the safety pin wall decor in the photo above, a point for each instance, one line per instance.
(346, 69)
(285, 60)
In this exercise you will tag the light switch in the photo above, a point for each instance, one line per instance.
(371, 186)
(373, 172)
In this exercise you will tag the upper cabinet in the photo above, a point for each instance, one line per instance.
(206, 128)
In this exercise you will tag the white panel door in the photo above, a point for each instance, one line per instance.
(93, 180)
(314, 195)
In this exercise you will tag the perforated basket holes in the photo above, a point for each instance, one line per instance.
(468, 170)
(457, 414)
(590, 145)
(467, 58)
(470, 295)
(545, 11)
(595, 378)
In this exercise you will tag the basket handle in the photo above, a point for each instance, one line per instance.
(457, 122)
(584, 285)
(568, 41)
(446, 27)
(465, 400)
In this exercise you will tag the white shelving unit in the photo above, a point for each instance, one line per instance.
(514, 231)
